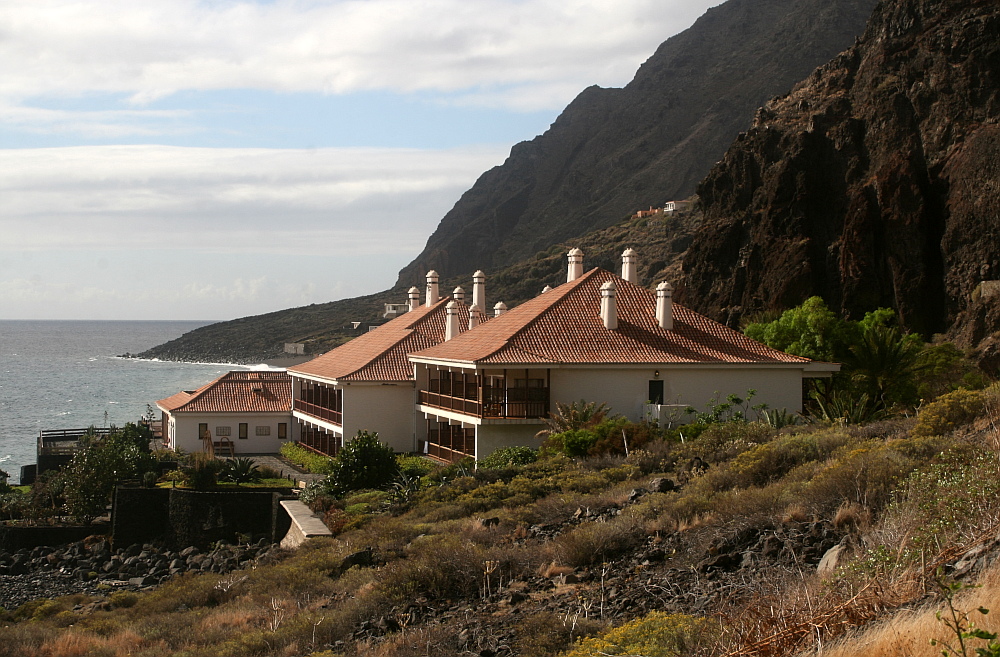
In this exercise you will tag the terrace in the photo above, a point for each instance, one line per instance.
(504, 394)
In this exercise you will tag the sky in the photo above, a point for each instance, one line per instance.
(214, 159)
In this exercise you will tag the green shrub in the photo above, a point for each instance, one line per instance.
(307, 459)
(203, 471)
(575, 442)
(657, 635)
(363, 463)
(416, 466)
(509, 457)
(771, 461)
(948, 412)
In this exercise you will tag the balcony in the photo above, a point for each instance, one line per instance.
(321, 412)
(496, 402)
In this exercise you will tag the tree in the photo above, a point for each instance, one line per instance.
(810, 330)
(363, 463)
(90, 478)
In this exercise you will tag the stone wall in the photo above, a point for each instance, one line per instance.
(183, 517)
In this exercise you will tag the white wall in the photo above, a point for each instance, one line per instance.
(491, 437)
(387, 409)
(186, 431)
(626, 390)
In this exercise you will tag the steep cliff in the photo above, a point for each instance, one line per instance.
(875, 182)
(614, 151)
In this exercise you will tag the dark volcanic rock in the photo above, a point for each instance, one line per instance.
(873, 183)
(614, 151)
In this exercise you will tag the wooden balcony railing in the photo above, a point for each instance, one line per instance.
(460, 404)
(497, 402)
(337, 417)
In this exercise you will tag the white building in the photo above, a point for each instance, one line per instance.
(241, 412)
(367, 384)
(598, 337)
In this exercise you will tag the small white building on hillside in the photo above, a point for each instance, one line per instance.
(241, 412)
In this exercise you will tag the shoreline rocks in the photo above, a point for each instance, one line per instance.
(94, 568)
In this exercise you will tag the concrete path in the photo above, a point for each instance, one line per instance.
(278, 464)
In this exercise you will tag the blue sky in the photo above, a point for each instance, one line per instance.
(172, 159)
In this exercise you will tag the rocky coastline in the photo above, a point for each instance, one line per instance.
(93, 567)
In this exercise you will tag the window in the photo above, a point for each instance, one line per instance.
(263, 431)
(282, 430)
(243, 431)
(223, 431)
(203, 430)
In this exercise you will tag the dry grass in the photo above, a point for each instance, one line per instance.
(909, 632)
(71, 643)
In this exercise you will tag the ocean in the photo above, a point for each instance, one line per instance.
(67, 375)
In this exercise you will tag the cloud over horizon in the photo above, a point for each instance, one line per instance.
(210, 159)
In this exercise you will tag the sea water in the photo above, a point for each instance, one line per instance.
(69, 375)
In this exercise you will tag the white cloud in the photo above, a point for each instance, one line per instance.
(95, 123)
(309, 202)
(486, 49)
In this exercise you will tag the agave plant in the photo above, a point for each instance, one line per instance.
(241, 471)
(843, 406)
(779, 418)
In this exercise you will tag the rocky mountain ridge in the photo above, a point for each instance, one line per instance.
(614, 151)
(873, 183)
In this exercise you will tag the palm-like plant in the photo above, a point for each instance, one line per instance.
(882, 363)
(572, 416)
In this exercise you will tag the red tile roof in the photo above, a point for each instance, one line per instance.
(381, 354)
(236, 392)
(564, 326)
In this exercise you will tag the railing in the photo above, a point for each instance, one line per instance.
(497, 402)
(445, 454)
(323, 413)
(460, 404)
(55, 442)
(458, 445)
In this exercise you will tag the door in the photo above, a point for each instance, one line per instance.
(655, 391)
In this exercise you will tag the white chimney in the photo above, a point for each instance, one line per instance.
(628, 265)
(474, 312)
(575, 270)
(432, 288)
(479, 289)
(665, 306)
(451, 323)
(414, 296)
(609, 305)
(458, 294)
(499, 309)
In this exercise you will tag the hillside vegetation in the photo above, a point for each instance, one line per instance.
(703, 540)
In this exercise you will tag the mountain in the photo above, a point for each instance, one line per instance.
(873, 183)
(610, 152)
(614, 151)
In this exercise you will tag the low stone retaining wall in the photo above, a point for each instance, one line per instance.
(182, 517)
